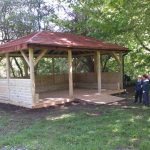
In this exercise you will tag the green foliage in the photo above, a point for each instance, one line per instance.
(45, 66)
(119, 21)
(2, 69)
(137, 63)
(109, 64)
(21, 17)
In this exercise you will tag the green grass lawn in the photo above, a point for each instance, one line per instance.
(76, 127)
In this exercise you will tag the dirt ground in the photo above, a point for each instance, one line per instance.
(75, 105)
(18, 118)
(25, 117)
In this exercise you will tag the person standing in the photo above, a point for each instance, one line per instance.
(138, 89)
(145, 90)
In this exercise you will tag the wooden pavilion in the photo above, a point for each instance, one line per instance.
(41, 91)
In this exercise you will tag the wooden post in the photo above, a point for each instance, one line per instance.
(70, 74)
(121, 70)
(98, 71)
(8, 73)
(7, 66)
(32, 75)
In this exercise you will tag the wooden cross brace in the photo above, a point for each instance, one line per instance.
(43, 52)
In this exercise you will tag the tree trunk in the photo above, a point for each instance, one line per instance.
(20, 69)
(13, 72)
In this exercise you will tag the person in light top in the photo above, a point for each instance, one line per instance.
(138, 89)
(146, 90)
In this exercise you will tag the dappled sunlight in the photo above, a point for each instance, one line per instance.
(86, 95)
(145, 107)
(117, 121)
(97, 94)
(64, 116)
(54, 101)
(131, 107)
(100, 102)
(67, 41)
(57, 99)
(134, 140)
(93, 114)
(115, 130)
(115, 127)
(132, 120)
(148, 120)
(34, 142)
(115, 104)
(138, 117)
(63, 107)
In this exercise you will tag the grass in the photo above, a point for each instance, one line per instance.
(76, 127)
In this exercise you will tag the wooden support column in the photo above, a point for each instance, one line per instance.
(32, 75)
(98, 71)
(7, 66)
(121, 70)
(70, 74)
(8, 72)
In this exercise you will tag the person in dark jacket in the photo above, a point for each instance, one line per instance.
(145, 90)
(138, 89)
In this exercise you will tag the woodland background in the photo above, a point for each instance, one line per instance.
(123, 22)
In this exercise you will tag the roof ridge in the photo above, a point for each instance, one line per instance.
(30, 39)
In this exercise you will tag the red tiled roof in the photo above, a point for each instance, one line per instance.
(57, 39)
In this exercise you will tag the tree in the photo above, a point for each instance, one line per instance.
(21, 17)
(120, 21)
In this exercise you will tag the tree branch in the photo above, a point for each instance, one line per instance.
(142, 44)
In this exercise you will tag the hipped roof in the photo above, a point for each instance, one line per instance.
(59, 40)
